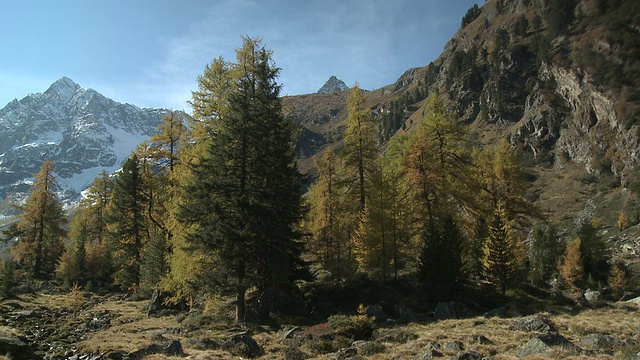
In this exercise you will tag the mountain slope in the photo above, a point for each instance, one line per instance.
(559, 79)
(79, 129)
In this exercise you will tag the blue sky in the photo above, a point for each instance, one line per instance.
(150, 52)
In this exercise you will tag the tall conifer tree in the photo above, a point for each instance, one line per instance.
(126, 224)
(244, 203)
(41, 225)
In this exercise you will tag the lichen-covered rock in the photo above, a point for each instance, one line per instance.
(543, 343)
(531, 323)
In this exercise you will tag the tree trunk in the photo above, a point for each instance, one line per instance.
(240, 307)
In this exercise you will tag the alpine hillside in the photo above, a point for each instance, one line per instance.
(78, 129)
(558, 79)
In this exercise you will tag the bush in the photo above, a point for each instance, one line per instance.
(358, 327)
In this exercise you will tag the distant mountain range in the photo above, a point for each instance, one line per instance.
(79, 129)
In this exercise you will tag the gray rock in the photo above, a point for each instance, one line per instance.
(243, 345)
(451, 310)
(543, 343)
(173, 348)
(468, 356)
(597, 341)
(452, 346)
(635, 301)
(406, 314)
(594, 295)
(203, 344)
(481, 339)
(430, 354)
(531, 323)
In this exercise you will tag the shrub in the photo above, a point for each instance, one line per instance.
(623, 221)
(572, 267)
(358, 327)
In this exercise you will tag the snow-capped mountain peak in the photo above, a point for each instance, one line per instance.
(79, 129)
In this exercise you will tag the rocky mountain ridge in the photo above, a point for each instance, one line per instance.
(79, 129)
(558, 79)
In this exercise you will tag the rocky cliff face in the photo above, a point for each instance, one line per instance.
(79, 129)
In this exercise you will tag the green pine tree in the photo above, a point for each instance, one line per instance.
(502, 260)
(126, 224)
(243, 204)
(441, 265)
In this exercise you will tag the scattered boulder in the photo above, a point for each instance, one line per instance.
(405, 313)
(242, 345)
(16, 348)
(203, 344)
(432, 351)
(635, 301)
(592, 295)
(481, 339)
(509, 310)
(173, 348)
(543, 343)
(532, 323)
(393, 335)
(368, 348)
(430, 354)
(451, 310)
(598, 341)
(468, 356)
(453, 346)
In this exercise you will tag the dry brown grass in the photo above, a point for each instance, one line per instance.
(131, 329)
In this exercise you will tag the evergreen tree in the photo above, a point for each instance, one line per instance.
(502, 260)
(441, 259)
(244, 204)
(167, 140)
(360, 147)
(401, 227)
(439, 163)
(329, 216)
(372, 239)
(41, 226)
(594, 251)
(544, 253)
(126, 224)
